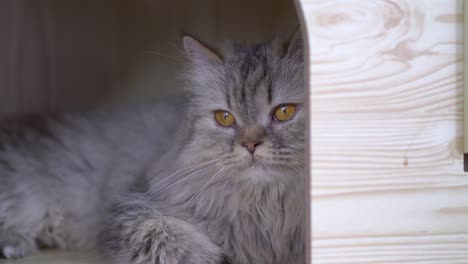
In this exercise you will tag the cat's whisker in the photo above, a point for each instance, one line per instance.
(294, 156)
(228, 179)
(188, 168)
(193, 174)
(180, 173)
(209, 181)
(298, 159)
(189, 174)
(298, 155)
(221, 194)
(297, 170)
(206, 186)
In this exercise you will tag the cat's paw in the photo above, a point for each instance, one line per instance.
(13, 246)
(172, 241)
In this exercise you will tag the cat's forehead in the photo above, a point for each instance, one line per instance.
(259, 80)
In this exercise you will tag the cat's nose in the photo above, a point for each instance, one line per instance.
(251, 145)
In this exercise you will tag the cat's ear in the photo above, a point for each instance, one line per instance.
(296, 43)
(199, 53)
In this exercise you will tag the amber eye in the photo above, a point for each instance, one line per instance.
(284, 112)
(224, 118)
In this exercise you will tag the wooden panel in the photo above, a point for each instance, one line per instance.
(465, 90)
(62, 55)
(53, 55)
(386, 131)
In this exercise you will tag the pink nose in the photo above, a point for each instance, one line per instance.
(251, 146)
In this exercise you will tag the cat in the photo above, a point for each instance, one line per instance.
(232, 189)
(227, 187)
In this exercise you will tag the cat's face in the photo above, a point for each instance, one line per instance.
(247, 111)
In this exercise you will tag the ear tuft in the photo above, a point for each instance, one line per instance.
(296, 43)
(199, 53)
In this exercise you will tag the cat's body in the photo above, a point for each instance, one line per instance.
(224, 192)
(59, 176)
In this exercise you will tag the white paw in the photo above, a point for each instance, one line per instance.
(15, 246)
(12, 252)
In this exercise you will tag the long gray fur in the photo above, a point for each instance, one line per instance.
(60, 175)
(204, 201)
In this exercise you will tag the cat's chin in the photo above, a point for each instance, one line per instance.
(254, 169)
(258, 172)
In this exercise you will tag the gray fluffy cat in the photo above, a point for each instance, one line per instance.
(228, 188)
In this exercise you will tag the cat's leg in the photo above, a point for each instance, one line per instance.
(17, 240)
(139, 234)
(21, 219)
(15, 245)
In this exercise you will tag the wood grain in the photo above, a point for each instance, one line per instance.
(465, 91)
(386, 93)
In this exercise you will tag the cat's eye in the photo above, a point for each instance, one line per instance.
(284, 112)
(224, 118)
